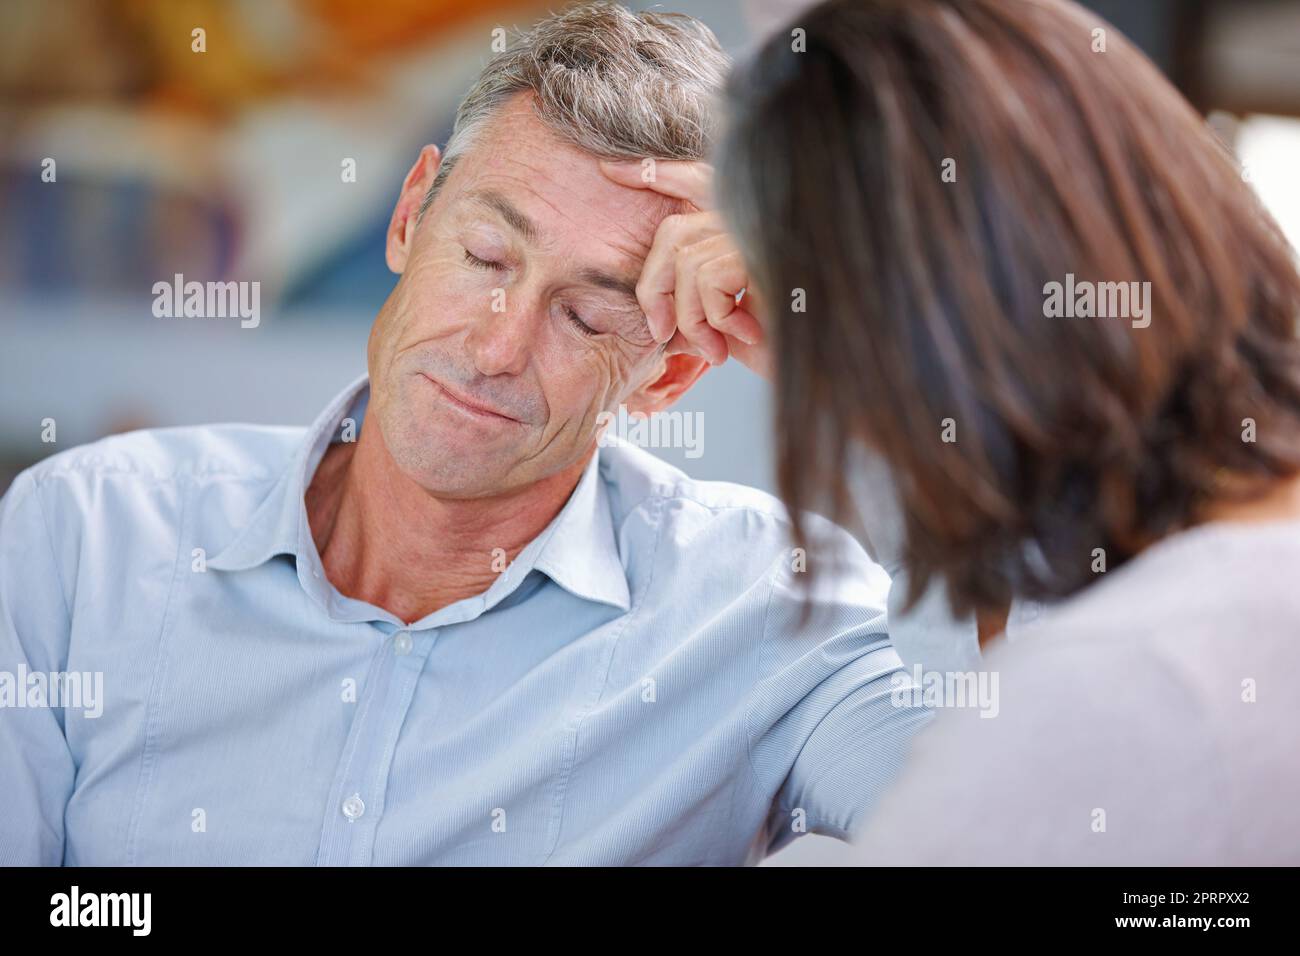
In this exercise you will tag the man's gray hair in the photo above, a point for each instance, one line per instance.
(616, 84)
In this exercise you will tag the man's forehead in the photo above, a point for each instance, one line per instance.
(559, 188)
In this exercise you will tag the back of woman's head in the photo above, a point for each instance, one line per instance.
(932, 195)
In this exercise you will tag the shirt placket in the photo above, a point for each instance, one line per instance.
(357, 795)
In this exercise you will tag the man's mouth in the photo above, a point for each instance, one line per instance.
(470, 405)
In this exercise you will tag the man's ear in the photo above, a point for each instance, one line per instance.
(678, 373)
(401, 228)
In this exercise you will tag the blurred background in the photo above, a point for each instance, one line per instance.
(127, 157)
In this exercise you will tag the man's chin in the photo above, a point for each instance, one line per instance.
(460, 479)
(449, 462)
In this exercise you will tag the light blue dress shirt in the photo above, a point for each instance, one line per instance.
(928, 637)
(634, 688)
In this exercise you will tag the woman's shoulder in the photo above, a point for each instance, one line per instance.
(1156, 704)
(1203, 584)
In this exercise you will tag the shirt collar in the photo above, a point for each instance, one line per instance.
(577, 550)
(280, 521)
(580, 553)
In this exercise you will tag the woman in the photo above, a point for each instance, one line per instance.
(993, 245)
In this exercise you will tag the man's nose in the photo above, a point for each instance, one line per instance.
(501, 339)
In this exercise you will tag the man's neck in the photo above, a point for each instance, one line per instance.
(385, 540)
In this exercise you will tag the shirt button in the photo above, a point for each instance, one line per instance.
(402, 643)
(353, 807)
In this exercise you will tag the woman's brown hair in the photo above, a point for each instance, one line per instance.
(916, 174)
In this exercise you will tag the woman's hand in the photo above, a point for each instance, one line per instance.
(694, 273)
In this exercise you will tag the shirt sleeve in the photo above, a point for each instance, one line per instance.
(835, 714)
(36, 766)
(928, 635)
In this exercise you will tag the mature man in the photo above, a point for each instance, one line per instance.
(468, 635)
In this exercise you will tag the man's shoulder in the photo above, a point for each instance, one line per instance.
(131, 488)
(161, 455)
(637, 478)
(745, 528)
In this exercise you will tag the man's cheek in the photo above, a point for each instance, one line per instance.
(616, 373)
(592, 386)
(440, 275)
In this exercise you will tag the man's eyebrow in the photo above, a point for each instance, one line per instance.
(603, 280)
(623, 285)
(504, 208)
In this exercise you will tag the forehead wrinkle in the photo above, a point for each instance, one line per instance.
(644, 203)
(526, 174)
